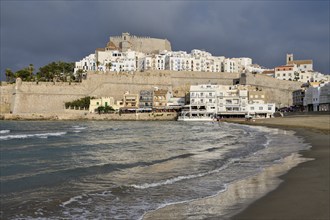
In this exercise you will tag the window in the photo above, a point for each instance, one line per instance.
(269, 108)
(210, 100)
(97, 103)
(251, 108)
(106, 103)
(261, 108)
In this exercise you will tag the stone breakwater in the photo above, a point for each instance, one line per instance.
(159, 116)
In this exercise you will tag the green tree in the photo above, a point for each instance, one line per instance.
(100, 109)
(97, 65)
(31, 70)
(24, 74)
(108, 109)
(55, 69)
(10, 76)
(108, 66)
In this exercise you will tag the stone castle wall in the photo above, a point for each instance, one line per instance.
(44, 97)
(277, 91)
(142, 44)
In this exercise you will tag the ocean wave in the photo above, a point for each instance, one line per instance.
(71, 200)
(77, 127)
(4, 131)
(180, 178)
(24, 136)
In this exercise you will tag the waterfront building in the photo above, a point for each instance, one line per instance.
(103, 101)
(311, 99)
(207, 101)
(131, 101)
(203, 100)
(232, 101)
(324, 105)
(298, 98)
(160, 97)
(146, 99)
(317, 97)
(259, 109)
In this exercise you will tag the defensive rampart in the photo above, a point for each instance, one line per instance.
(276, 91)
(49, 97)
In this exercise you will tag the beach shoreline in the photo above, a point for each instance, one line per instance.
(304, 192)
(301, 192)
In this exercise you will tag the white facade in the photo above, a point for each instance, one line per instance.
(261, 109)
(197, 60)
(232, 100)
(203, 99)
(317, 97)
(287, 72)
(226, 101)
(86, 64)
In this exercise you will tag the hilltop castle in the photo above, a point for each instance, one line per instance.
(146, 45)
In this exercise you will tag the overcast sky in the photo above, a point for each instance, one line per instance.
(40, 32)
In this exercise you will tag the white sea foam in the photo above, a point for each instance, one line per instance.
(180, 178)
(4, 131)
(24, 136)
(77, 127)
(71, 200)
(184, 201)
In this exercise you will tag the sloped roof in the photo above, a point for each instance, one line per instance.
(300, 62)
(111, 45)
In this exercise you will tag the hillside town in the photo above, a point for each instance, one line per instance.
(130, 54)
(133, 74)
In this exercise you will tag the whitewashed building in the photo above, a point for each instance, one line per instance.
(88, 63)
(226, 101)
(317, 97)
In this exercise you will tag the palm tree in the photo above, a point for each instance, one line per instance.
(9, 75)
(97, 65)
(108, 66)
(31, 69)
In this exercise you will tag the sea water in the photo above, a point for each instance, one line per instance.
(122, 170)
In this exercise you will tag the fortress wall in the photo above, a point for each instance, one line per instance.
(49, 97)
(147, 45)
(143, 44)
(44, 97)
(6, 93)
(277, 91)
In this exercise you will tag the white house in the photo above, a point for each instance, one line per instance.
(87, 63)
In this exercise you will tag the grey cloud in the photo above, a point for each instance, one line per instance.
(39, 32)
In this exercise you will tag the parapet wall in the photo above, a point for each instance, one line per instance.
(45, 97)
(277, 91)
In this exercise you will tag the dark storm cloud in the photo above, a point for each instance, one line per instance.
(39, 32)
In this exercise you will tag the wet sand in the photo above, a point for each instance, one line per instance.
(302, 193)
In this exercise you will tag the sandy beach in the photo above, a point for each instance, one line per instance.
(302, 193)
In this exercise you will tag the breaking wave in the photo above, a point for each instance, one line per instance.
(24, 136)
